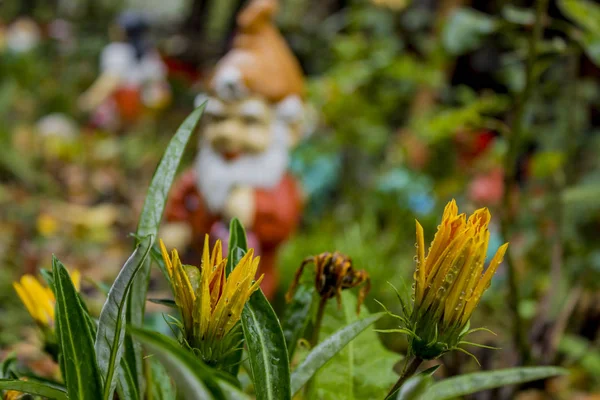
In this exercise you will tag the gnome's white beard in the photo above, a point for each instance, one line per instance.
(216, 176)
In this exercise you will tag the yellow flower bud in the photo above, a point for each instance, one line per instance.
(211, 303)
(449, 282)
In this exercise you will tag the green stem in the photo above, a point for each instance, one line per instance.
(317, 328)
(314, 341)
(409, 371)
(514, 144)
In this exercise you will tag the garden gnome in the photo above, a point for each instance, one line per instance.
(254, 115)
(132, 76)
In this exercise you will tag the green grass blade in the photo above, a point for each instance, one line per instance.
(152, 211)
(478, 381)
(82, 375)
(111, 329)
(328, 348)
(34, 388)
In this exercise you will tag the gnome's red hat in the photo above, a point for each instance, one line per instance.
(260, 61)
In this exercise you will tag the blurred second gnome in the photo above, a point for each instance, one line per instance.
(448, 283)
(210, 302)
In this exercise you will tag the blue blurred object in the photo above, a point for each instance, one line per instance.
(495, 242)
(412, 190)
(318, 175)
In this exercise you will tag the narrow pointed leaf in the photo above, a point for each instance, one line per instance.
(296, 317)
(414, 387)
(328, 348)
(127, 387)
(237, 240)
(78, 357)
(150, 218)
(471, 383)
(266, 349)
(430, 371)
(160, 386)
(164, 302)
(237, 247)
(34, 388)
(194, 379)
(111, 329)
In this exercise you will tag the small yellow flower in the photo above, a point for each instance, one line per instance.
(39, 299)
(211, 303)
(448, 282)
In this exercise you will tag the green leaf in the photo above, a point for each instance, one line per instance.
(518, 15)
(75, 338)
(194, 379)
(149, 223)
(35, 388)
(415, 387)
(267, 350)
(237, 247)
(7, 365)
(127, 387)
(237, 241)
(164, 302)
(478, 381)
(297, 316)
(111, 327)
(430, 371)
(586, 14)
(465, 30)
(160, 386)
(343, 378)
(327, 349)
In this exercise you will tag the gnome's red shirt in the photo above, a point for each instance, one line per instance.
(277, 215)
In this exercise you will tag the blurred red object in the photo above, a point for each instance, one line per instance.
(487, 189)
(471, 145)
(128, 103)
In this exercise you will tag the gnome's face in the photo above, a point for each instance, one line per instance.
(238, 127)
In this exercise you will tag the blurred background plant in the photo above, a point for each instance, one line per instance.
(415, 102)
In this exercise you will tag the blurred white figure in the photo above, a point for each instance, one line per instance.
(22, 36)
(57, 125)
(132, 77)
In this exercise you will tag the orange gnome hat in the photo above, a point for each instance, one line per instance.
(260, 61)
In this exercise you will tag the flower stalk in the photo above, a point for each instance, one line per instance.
(409, 370)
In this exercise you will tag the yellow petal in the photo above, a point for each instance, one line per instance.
(166, 258)
(76, 279)
(420, 268)
(456, 298)
(491, 270)
(217, 282)
(449, 259)
(183, 291)
(242, 268)
(484, 282)
(217, 254)
(206, 254)
(28, 302)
